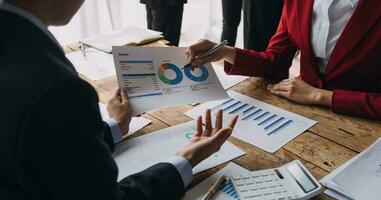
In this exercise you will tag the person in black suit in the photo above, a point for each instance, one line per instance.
(165, 16)
(53, 142)
(261, 19)
(231, 18)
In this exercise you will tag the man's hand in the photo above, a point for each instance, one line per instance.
(206, 142)
(227, 53)
(299, 91)
(118, 108)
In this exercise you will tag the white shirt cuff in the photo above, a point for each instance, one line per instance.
(116, 133)
(183, 167)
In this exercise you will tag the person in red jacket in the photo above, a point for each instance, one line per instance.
(340, 46)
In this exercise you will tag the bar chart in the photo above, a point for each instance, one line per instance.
(259, 124)
(228, 189)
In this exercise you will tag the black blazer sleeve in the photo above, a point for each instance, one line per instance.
(63, 153)
(107, 137)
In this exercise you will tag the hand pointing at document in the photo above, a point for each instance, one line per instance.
(226, 53)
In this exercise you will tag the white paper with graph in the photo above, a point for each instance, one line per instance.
(137, 154)
(156, 77)
(260, 124)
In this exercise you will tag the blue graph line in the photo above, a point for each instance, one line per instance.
(136, 61)
(238, 109)
(284, 125)
(261, 116)
(252, 114)
(224, 103)
(273, 123)
(146, 95)
(268, 119)
(231, 106)
(249, 109)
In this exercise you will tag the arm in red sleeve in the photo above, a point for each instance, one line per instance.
(357, 103)
(273, 63)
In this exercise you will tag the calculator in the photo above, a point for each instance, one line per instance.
(291, 181)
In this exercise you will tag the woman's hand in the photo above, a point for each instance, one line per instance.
(299, 91)
(226, 53)
(206, 141)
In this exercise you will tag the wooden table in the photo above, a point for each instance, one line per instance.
(323, 148)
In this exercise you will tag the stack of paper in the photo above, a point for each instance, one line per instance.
(359, 178)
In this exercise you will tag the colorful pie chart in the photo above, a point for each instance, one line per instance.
(199, 75)
(170, 80)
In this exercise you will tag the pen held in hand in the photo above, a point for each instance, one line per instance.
(209, 52)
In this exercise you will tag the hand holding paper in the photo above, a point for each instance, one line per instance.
(119, 109)
(153, 78)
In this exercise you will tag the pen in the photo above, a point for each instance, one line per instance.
(214, 189)
(210, 51)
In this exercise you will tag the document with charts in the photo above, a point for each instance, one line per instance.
(260, 124)
(154, 78)
(137, 154)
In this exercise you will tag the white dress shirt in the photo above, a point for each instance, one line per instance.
(181, 164)
(329, 18)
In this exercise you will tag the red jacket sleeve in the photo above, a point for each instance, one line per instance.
(357, 103)
(273, 63)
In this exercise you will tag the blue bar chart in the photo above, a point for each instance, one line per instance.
(228, 189)
(270, 122)
(260, 124)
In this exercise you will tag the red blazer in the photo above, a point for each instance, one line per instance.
(353, 71)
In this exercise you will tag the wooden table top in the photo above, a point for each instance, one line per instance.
(324, 147)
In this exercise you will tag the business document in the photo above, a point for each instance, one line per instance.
(359, 178)
(137, 154)
(155, 77)
(260, 124)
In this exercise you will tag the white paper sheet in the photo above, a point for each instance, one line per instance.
(130, 35)
(360, 177)
(260, 124)
(95, 66)
(153, 79)
(226, 192)
(335, 195)
(136, 124)
(137, 154)
(227, 81)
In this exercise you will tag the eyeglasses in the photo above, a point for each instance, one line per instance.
(82, 46)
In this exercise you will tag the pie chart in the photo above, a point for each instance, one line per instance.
(199, 74)
(170, 74)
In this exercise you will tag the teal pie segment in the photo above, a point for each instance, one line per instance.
(169, 66)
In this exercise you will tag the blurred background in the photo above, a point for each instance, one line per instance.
(201, 19)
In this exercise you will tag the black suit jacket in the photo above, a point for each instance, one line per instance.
(53, 143)
(163, 2)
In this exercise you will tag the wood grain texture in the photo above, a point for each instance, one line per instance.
(323, 148)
